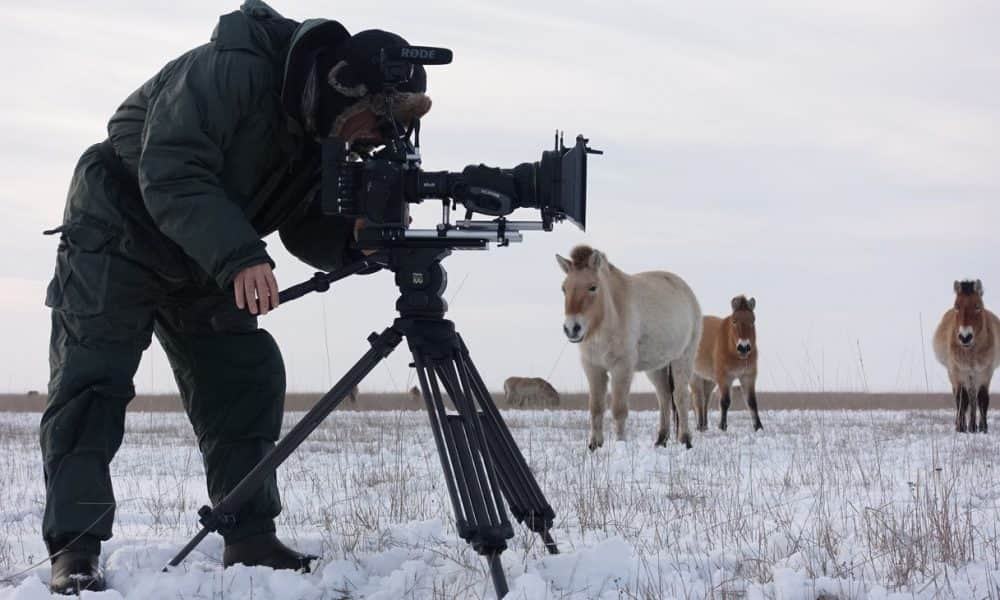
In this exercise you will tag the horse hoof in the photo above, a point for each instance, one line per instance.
(757, 427)
(594, 445)
(972, 429)
(661, 441)
(723, 426)
(686, 440)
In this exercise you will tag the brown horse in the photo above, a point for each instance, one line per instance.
(967, 343)
(728, 351)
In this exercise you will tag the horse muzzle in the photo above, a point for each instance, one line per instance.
(574, 330)
(966, 336)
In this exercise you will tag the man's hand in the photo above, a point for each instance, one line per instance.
(256, 288)
(359, 224)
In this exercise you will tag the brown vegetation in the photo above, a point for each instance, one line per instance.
(569, 401)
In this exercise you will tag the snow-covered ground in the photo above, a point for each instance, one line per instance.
(818, 505)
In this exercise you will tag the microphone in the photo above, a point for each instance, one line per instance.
(421, 55)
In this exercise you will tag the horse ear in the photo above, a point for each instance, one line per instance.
(752, 302)
(958, 286)
(597, 260)
(564, 264)
(979, 287)
(736, 302)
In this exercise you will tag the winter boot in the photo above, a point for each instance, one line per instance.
(75, 565)
(264, 549)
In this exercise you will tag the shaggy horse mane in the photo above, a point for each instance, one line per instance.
(581, 256)
(967, 287)
(741, 303)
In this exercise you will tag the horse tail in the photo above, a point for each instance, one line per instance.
(673, 400)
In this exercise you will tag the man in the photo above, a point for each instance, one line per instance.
(162, 233)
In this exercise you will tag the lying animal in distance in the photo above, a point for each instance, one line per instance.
(524, 392)
(415, 396)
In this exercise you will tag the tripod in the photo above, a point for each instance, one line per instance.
(482, 464)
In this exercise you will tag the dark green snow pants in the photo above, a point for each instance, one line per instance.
(108, 297)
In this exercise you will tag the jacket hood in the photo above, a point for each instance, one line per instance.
(311, 39)
(290, 45)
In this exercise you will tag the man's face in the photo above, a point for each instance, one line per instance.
(362, 126)
(367, 126)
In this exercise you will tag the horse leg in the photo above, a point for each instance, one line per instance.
(597, 381)
(660, 379)
(984, 404)
(972, 410)
(956, 391)
(725, 399)
(709, 388)
(682, 370)
(963, 405)
(697, 391)
(748, 383)
(702, 397)
(621, 382)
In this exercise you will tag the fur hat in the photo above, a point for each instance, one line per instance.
(347, 80)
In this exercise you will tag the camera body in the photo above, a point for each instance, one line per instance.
(379, 186)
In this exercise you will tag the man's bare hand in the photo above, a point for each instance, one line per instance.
(256, 289)
(360, 224)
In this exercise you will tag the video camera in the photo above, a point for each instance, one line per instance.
(379, 186)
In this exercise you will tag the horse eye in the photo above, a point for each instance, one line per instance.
(592, 289)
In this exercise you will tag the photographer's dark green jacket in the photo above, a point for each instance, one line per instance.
(219, 159)
(201, 162)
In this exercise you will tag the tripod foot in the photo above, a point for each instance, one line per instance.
(496, 572)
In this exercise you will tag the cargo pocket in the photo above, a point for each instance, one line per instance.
(80, 284)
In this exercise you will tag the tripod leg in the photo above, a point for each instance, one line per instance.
(218, 517)
(462, 444)
(472, 488)
(521, 490)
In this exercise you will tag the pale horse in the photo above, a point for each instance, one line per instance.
(625, 323)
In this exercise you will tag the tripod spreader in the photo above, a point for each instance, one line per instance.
(320, 282)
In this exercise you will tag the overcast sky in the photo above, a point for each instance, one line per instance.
(836, 160)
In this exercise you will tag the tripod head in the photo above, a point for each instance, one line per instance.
(417, 266)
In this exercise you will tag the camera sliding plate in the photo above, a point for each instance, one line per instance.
(450, 237)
